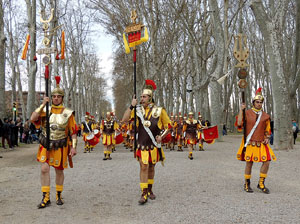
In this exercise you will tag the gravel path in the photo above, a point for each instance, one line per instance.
(208, 189)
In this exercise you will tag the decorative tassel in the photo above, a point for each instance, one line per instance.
(34, 58)
(62, 56)
(57, 78)
(57, 57)
(25, 49)
(46, 72)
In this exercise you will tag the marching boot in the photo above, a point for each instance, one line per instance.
(201, 147)
(105, 158)
(247, 187)
(59, 189)
(261, 183)
(144, 196)
(85, 149)
(59, 200)
(108, 156)
(179, 148)
(191, 156)
(150, 192)
(46, 197)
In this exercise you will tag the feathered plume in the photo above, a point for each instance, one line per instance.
(258, 91)
(150, 82)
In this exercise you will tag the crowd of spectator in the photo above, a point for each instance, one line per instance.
(14, 132)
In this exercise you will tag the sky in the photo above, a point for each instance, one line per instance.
(104, 44)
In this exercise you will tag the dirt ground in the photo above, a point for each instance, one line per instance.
(208, 189)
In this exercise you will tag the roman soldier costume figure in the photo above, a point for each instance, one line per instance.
(131, 134)
(190, 127)
(151, 120)
(108, 128)
(203, 125)
(171, 143)
(124, 130)
(86, 128)
(63, 142)
(184, 137)
(256, 147)
(179, 133)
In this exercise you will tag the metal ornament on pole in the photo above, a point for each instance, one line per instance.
(47, 51)
(241, 53)
(133, 32)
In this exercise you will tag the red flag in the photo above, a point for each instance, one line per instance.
(211, 133)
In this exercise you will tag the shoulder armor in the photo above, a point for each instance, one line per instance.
(156, 111)
(195, 121)
(188, 122)
(68, 112)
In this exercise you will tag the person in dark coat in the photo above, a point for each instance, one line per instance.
(6, 132)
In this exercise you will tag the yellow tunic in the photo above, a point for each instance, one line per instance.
(109, 139)
(153, 155)
(56, 158)
(254, 153)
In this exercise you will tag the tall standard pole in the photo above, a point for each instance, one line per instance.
(47, 107)
(134, 90)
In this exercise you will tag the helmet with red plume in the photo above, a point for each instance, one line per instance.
(57, 90)
(149, 88)
(258, 95)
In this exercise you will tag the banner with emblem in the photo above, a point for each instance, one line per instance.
(210, 134)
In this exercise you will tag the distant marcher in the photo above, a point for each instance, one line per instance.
(295, 130)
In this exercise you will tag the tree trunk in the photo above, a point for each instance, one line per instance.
(282, 111)
(216, 102)
(31, 13)
(2, 64)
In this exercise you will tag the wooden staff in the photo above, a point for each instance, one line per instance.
(47, 108)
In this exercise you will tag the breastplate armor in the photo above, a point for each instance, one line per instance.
(144, 141)
(108, 127)
(58, 124)
(191, 126)
(179, 128)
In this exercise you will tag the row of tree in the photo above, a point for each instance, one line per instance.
(80, 72)
(190, 48)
